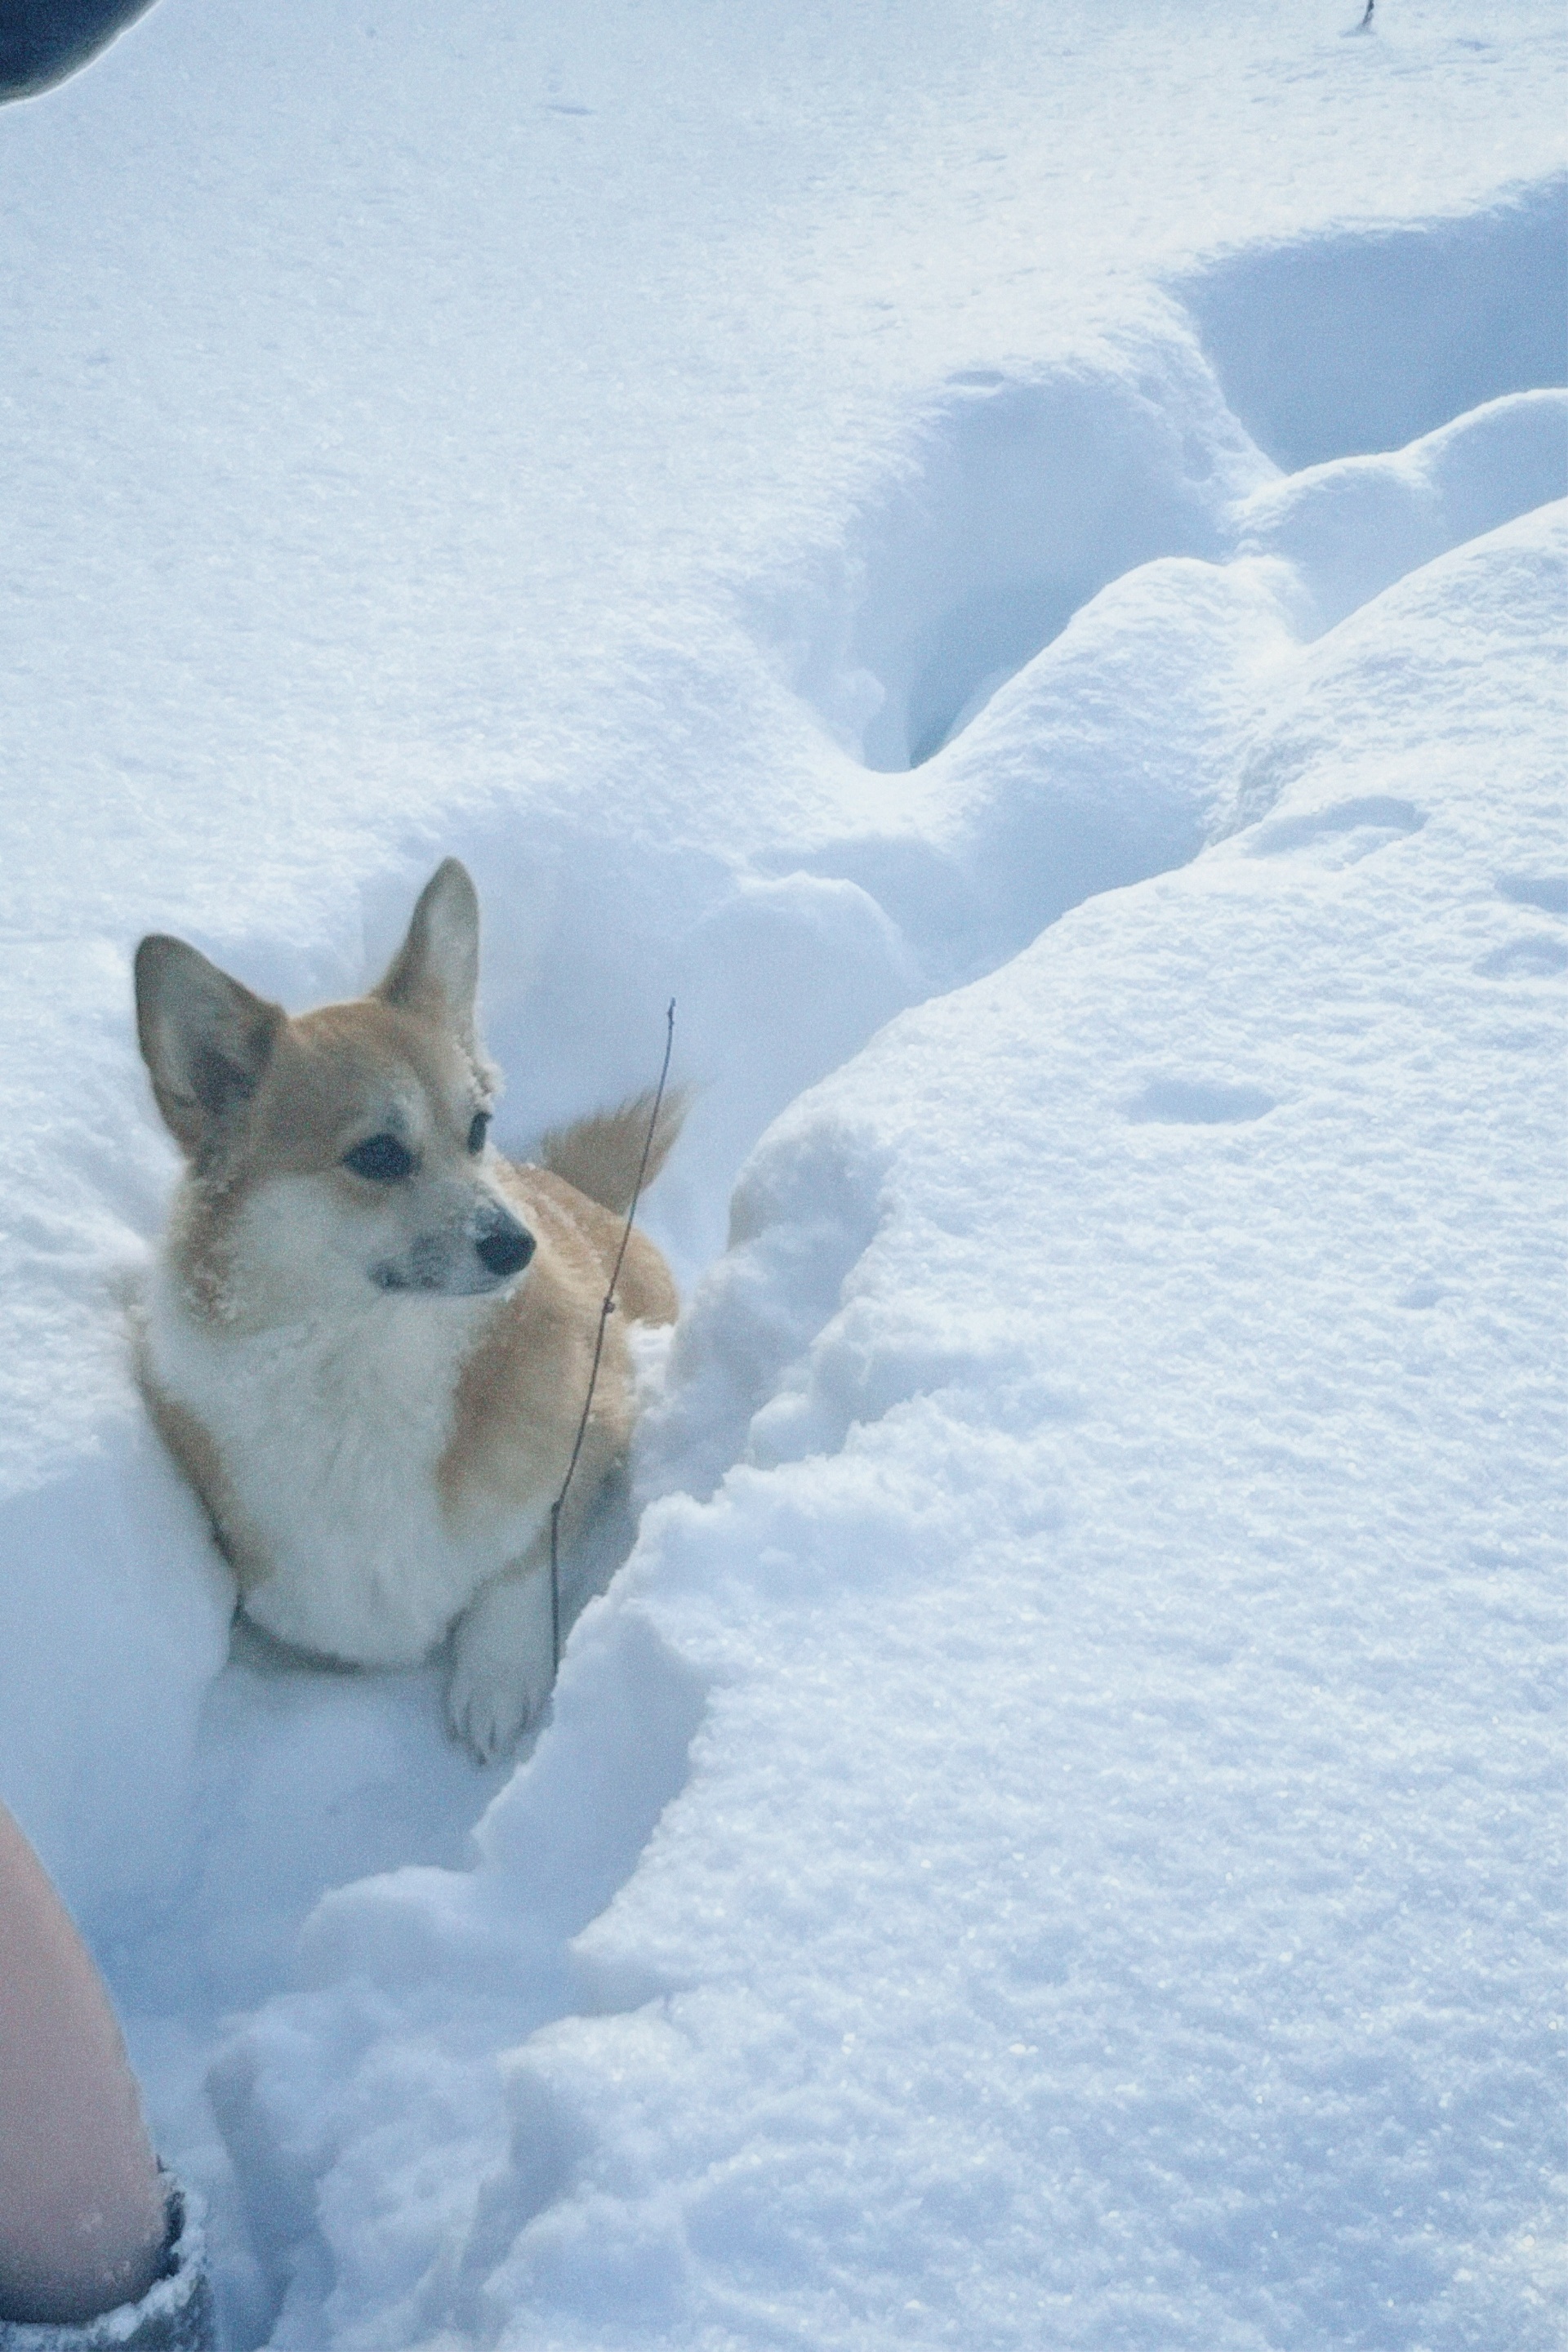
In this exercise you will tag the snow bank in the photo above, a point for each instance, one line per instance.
(1043, 1841)
(1117, 1659)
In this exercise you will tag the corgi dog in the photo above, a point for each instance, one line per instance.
(366, 1338)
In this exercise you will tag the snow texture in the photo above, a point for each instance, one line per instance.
(1015, 565)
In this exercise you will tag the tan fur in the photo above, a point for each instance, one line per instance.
(373, 1394)
(604, 1156)
(528, 1377)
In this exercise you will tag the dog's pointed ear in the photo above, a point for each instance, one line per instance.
(436, 971)
(206, 1040)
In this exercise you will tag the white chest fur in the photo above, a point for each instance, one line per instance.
(330, 1430)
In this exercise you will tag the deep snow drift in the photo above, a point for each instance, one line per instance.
(1040, 538)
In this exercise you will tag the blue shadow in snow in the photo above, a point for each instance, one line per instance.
(1337, 346)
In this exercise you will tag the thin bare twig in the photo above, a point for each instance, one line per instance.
(605, 1311)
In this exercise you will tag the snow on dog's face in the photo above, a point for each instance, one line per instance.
(344, 1148)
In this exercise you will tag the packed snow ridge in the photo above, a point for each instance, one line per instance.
(1043, 1832)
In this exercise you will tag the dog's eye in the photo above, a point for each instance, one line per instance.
(479, 1130)
(382, 1158)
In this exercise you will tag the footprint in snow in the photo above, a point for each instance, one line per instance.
(1537, 957)
(1343, 835)
(1187, 1102)
(1547, 891)
(1538, 953)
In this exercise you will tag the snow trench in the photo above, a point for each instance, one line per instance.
(1082, 632)
(1022, 499)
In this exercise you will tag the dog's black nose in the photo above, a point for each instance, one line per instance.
(505, 1248)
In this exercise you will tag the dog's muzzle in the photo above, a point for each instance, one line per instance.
(460, 1263)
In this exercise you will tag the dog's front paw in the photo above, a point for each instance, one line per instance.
(487, 1710)
(501, 1666)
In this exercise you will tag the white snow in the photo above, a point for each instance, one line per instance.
(1014, 562)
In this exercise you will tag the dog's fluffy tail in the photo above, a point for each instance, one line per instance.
(602, 1155)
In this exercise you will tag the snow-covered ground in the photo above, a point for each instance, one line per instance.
(1008, 559)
